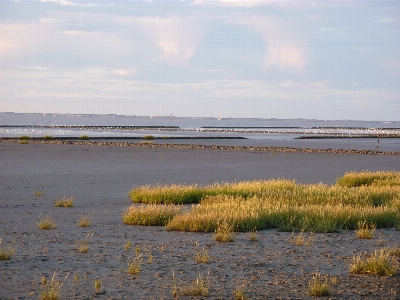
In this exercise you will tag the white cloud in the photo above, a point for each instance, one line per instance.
(124, 72)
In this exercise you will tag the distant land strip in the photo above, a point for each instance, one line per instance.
(205, 147)
(93, 126)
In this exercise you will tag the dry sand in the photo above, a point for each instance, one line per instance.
(99, 177)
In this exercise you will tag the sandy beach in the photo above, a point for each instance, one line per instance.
(99, 178)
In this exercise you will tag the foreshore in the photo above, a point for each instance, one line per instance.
(99, 174)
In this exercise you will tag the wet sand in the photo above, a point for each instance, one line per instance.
(99, 177)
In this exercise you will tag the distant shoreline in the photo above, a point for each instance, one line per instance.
(151, 144)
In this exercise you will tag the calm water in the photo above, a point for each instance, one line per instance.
(258, 132)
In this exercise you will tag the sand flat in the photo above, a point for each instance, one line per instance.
(99, 177)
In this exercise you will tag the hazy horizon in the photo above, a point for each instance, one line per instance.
(270, 59)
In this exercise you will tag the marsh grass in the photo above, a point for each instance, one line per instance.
(239, 292)
(65, 202)
(149, 137)
(150, 215)
(379, 263)
(319, 287)
(24, 137)
(85, 222)
(6, 252)
(46, 222)
(253, 235)
(23, 142)
(48, 137)
(84, 137)
(365, 230)
(356, 179)
(199, 287)
(224, 233)
(51, 290)
(82, 246)
(301, 240)
(202, 256)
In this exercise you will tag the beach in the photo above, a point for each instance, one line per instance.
(99, 177)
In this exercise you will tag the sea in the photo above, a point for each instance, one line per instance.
(303, 133)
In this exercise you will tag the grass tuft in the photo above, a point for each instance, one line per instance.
(48, 137)
(51, 290)
(379, 263)
(84, 222)
(134, 265)
(23, 142)
(39, 194)
(84, 137)
(149, 137)
(365, 230)
(83, 245)
(24, 137)
(199, 287)
(202, 256)
(301, 240)
(318, 287)
(224, 233)
(64, 202)
(46, 222)
(6, 252)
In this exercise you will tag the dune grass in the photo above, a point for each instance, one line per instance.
(281, 204)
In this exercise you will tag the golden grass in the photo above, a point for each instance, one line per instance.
(150, 215)
(38, 194)
(380, 263)
(51, 290)
(82, 246)
(46, 222)
(301, 240)
(64, 202)
(202, 256)
(84, 222)
(365, 230)
(134, 265)
(6, 252)
(355, 179)
(199, 287)
(318, 287)
(224, 233)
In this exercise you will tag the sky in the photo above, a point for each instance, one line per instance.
(332, 60)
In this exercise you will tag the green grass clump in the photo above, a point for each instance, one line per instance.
(48, 137)
(355, 179)
(24, 137)
(46, 223)
(149, 137)
(64, 202)
(84, 137)
(380, 263)
(150, 214)
(318, 287)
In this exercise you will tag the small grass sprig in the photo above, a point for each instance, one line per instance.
(82, 246)
(51, 290)
(134, 265)
(202, 256)
(84, 222)
(318, 287)
(6, 252)
(301, 240)
(46, 222)
(65, 202)
(224, 233)
(365, 230)
(199, 287)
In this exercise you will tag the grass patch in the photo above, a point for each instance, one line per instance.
(356, 179)
(301, 240)
(39, 194)
(150, 215)
(6, 252)
(51, 290)
(318, 287)
(365, 230)
(380, 263)
(64, 202)
(149, 137)
(84, 137)
(23, 142)
(97, 285)
(46, 222)
(199, 287)
(240, 293)
(48, 137)
(84, 222)
(134, 265)
(24, 137)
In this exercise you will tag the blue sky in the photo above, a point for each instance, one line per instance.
(262, 59)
